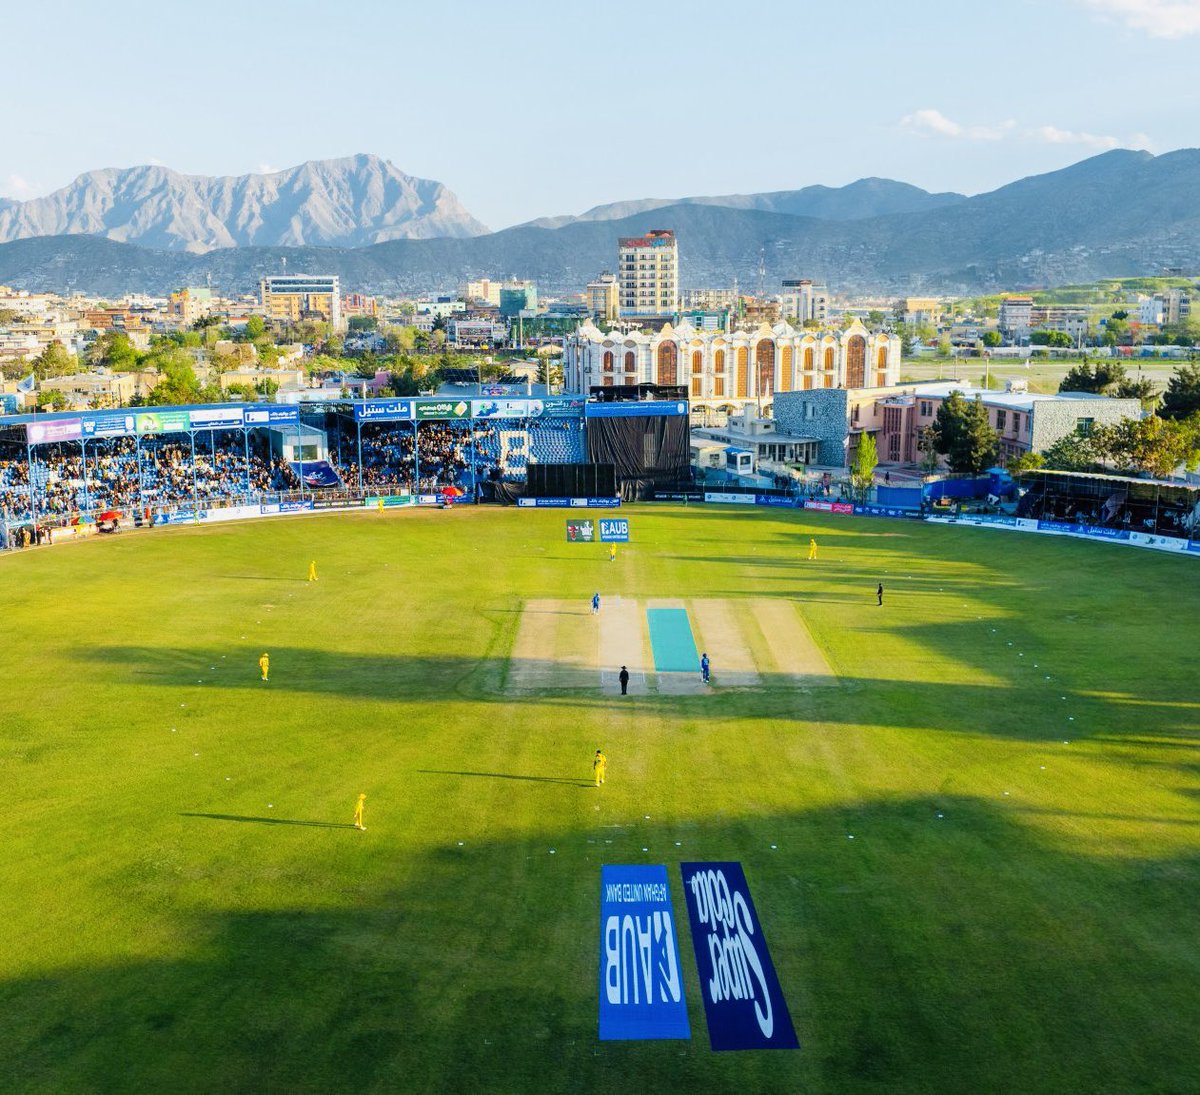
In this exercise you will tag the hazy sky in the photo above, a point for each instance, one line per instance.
(536, 108)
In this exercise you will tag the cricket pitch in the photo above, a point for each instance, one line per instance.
(561, 645)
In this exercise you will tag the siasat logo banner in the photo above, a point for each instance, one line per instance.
(743, 1002)
(641, 980)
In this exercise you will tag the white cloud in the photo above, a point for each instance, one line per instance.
(935, 123)
(1051, 134)
(1158, 18)
(17, 187)
(267, 169)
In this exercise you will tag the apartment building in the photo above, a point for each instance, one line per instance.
(648, 274)
(292, 297)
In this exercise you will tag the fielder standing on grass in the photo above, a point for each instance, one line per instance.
(312, 571)
(879, 594)
(599, 765)
(812, 549)
(264, 665)
(358, 812)
(595, 604)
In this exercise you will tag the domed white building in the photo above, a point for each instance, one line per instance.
(725, 371)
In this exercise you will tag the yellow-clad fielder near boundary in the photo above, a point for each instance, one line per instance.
(312, 571)
(612, 553)
(812, 549)
(358, 811)
(264, 664)
(599, 765)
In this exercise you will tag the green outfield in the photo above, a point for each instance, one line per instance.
(1012, 740)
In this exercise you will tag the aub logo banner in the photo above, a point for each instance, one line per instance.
(641, 981)
(743, 1002)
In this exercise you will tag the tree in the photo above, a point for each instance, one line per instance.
(53, 398)
(992, 339)
(876, 319)
(866, 458)
(927, 444)
(397, 339)
(255, 328)
(963, 434)
(54, 360)
(1026, 461)
(439, 322)
(363, 324)
(1182, 397)
(1098, 378)
(1072, 452)
(1151, 444)
(113, 350)
(1114, 331)
(1138, 389)
(178, 383)
(1056, 339)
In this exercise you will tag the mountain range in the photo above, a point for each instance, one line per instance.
(1121, 213)
(350, 202)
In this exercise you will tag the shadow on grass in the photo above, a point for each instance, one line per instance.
(273, 821)
(987, 688)
(567, 780)
(954, 945)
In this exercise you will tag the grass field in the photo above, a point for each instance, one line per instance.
(1013, 740)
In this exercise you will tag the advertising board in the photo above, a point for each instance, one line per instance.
(641, 977)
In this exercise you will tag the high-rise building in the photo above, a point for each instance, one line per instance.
(648, 274)
(803, 300)
(293, 297)
(604, 297)
(518, 297)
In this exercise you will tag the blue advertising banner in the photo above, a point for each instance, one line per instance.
(1098, 531)
(743, 1002)
(614, 530)
(641, 982)
(868, 510)
(272, 416)
(570, 503)
(647, 409)
(776, 500)
(1193, 545)
(112, 424)
(383, 410)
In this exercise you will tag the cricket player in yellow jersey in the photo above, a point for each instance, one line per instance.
(264, 664)
(812, 549)
(312, 571)
(599, 765)
(612, 553)
(358, 811)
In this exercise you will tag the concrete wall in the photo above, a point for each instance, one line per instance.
(822, 413)
(1056, 418)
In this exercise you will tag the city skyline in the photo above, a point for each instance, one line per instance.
(951, 99)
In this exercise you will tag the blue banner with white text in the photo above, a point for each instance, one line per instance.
(641, 979)
(743, 1002)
